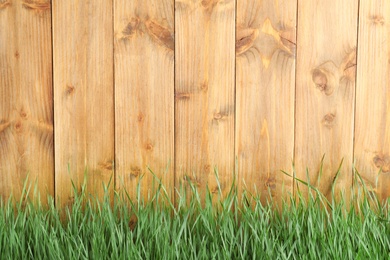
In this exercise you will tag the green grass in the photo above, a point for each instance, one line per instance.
(195, 230)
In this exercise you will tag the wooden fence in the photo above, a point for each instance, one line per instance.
(249, 86)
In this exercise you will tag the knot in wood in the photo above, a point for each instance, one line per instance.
(18, 127)
(218, 116)
(328, 120)
(320, 79)
(382, 162)
(149, 147)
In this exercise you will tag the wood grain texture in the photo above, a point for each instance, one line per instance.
(325, 89)
(26, 117)
(83, 96)
(144, 88)
(265, 87)
(204, 92)
(372, 126)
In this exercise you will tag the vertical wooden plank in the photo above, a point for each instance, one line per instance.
(204, 92)
(144, 84)
(326, 65)
(372, 126)
(265, 87)
(83, 96)
(26, 118)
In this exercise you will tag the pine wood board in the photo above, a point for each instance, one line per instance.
(372, 126)
(83, 98)
(204, 93)
(265, 88)
(26, 107)
(325, 93)
(144, 94)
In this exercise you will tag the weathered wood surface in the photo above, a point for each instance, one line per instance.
(265, 87)
(372, 127)
(83, 96)
(26, 103)
(325, 91)
(144, 88)
(204, 92)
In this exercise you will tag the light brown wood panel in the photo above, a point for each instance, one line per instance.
(372, 126)
(83, 96)
(144, 88)
(26, 117)
(265, 87)
(325, 89)
(204, 92)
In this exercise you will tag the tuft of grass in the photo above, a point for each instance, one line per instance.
(314, 227)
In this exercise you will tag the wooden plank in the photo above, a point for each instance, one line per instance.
(265, 87)
(83, 96)
(144, 85)
(372, 127)
(204, 92)
(325, 89)
(26, 117)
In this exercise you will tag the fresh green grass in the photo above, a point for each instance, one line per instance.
(313, 228)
